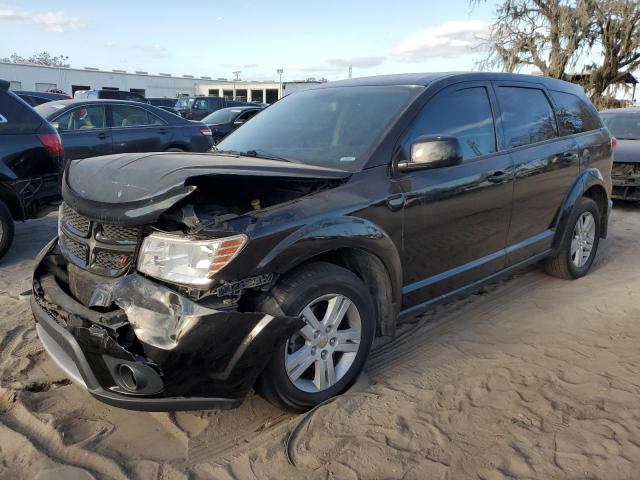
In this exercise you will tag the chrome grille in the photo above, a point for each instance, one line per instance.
(103, 248)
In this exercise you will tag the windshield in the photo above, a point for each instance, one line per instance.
(623, 127)
(329, 127)
(225, 115)
(184, 102)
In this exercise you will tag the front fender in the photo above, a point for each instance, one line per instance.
(588, 178)
(334, 234)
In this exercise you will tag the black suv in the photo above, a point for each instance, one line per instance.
(196, 108)
(187, 279)
(30, 164)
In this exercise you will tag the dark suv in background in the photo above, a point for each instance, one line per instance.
(109, 95)
(187, 279)
(196, 108)
(30, 164)
(100, 127)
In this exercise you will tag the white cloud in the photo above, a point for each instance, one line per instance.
(450, 39)
(56, 22)
(153, 50)
(358, 62)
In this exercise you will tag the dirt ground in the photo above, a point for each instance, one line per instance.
(532, 378)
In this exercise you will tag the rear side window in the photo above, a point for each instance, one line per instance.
(574, 115)
(16, 117)
(128, 116)
(527, 116)
(464, 114)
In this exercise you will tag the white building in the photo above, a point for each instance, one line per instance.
(41, 79)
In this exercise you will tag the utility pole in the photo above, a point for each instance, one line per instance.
(280, 72)
(350, 70)
(236, 78)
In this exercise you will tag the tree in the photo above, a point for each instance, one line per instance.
(559, 37)
(42, 58)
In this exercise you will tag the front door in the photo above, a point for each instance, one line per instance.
(84, 132)
(456, 218)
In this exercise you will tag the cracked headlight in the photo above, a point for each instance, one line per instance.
(190, 262)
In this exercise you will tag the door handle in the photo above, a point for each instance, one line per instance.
(498, 176)
(102, 136)
(395, 202)
(569, 156)
(163, 130)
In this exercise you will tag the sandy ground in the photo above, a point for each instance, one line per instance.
(533, 378)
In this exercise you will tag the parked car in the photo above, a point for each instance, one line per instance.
(37, 98)
(224, 121)
(196, 108)
(109, 95)
(624, 125)
(167, 104)
(187, 279)
(30, 164)
(100, 127)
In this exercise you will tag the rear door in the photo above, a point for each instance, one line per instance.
(546, 165)
(456, 218)
(84, 132)
(135, 129)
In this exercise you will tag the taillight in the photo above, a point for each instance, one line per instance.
(205, 131)
(52, 143)
(614, 143)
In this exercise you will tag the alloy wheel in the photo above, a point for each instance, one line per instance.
(584, 235)
(321, 353)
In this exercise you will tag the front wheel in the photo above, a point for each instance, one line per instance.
(580, 243)
(325, 357)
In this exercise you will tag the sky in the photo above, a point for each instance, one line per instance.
(211, 38)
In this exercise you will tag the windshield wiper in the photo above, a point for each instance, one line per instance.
(266, 155)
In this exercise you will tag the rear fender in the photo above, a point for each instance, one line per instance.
(587, 179)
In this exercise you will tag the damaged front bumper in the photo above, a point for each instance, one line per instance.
(154, 349)
(626, 181)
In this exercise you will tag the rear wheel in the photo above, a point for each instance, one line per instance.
(6, 229)
(580, 243)
(325, 357)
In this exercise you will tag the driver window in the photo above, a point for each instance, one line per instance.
(82, 118)
(465, 114)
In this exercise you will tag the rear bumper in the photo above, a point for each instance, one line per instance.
(159, 351)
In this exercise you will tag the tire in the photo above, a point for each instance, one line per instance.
(175, 149)
(564, 264)
(6, 229)
(318, 285)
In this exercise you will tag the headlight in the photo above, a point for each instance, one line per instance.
(190, 262)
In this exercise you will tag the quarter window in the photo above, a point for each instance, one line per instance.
(527, 116)
(465, 114)
(574, 115)
(128, 116)
(82, 118)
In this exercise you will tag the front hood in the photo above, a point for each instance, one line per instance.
(627, 151)
(137, 188)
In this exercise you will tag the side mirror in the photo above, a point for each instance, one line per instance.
(238, 122)
(433, 152)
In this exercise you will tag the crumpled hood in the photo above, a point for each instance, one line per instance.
(136, 188)
(627, 151)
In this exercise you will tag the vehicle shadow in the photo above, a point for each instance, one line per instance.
(29, 238)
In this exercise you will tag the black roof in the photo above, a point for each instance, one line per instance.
(425, 79)
(79, 101)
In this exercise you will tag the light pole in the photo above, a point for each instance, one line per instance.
(280, 72)
(236, 78)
